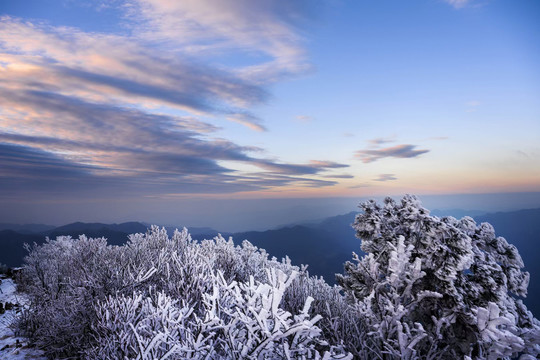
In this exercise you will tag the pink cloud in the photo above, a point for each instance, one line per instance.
(398, 151)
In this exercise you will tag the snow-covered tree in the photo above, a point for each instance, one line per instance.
(161, 297)
(434, 287)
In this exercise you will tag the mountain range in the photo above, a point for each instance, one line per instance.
(323, 245)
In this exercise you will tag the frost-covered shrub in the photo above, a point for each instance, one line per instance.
(152, 326)
(238, 321)
(155, 297)
(341, 323)
(254, 325)
(438, 288)
(62, 278)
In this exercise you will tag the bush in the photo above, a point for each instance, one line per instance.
(439, 288)
(160, 297)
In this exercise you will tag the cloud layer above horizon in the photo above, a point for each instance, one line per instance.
(166, 100)
(138, 109)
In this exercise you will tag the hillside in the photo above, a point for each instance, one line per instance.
(12, 249)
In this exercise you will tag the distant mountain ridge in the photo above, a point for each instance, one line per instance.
(26, 228)
(323, 250)
(127, 227)
(14, 236)
(323, 245)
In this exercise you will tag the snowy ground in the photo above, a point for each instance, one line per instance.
(13, 347)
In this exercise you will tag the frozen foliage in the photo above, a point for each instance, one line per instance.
(158, 297)
(238, 321)
(428, 288)
(436, 288)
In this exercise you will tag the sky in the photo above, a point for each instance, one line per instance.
(241, 113)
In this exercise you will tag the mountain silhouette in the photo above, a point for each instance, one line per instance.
(324, 245)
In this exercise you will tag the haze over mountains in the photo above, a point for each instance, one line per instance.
(324, 245)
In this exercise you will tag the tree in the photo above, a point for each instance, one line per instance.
(432, 287)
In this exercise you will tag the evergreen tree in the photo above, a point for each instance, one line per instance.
(434, 287)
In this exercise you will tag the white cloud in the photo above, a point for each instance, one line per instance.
(112, 68)
(264, 28)
(304, 118)
(98, 106)
(381, 141)
(248, 120)
(472, 105)
(458, 4)
(385, 177)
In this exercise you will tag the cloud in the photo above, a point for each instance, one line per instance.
(248, 120)
(278, 180)
(121, 113)
(314, 167)
(458, 4)
(304, 118)
(472, 105)
(340, 176)
(321, 164)
(385, 177)
(398, 151)
(359, 186)
(22, 161)
(380, 141)
(116, 138)
(39, 173)
(267, 28)
(438, 138)
(116, 69)
(106, 147)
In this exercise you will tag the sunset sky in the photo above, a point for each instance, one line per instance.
(170, 111)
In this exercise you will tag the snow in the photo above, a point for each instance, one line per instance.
(8, 339)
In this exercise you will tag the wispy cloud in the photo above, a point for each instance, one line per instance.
(472, 105)
(398, 151)
(125, 144)
(458, 4)
(314, 167)
(249, 120)
(304, 118)
(321, 164)
(93, 109)
(381, 141)
(269, 28)
(385, 177)
(340, 176)
(359, 186)
(438, 138)
(112, 68)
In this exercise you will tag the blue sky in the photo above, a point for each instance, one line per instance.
(186, 104)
